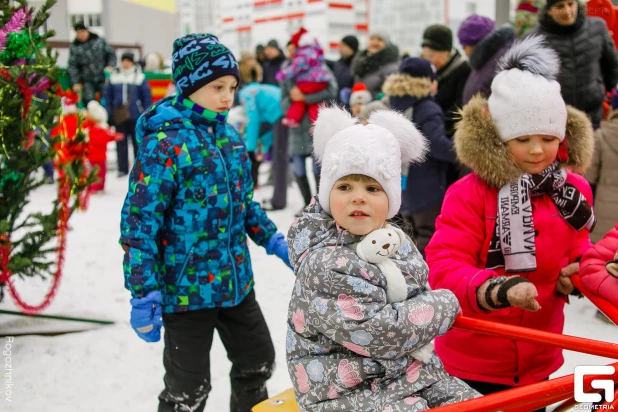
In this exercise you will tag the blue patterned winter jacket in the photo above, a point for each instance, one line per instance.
(188, 211)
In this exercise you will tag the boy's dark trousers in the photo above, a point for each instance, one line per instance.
(188, 339)
(122, 146)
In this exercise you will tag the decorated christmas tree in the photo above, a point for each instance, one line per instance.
(32, 244)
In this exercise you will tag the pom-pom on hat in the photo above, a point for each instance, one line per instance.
(198, 59)
(378, 150)
(525, 96)
(69, 101)
(360, 94)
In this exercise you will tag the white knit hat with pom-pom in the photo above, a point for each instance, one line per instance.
(378, 150)
(525, 96)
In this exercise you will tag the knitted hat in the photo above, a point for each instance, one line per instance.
(351, 42)
(378, 150)
(198, 59)
(438, 37)
(272, 43)
(474, 29)
(80, 26)
(417, 67)
(97, 113)
(525, 96)
(382, 34)
(128, 56)
(296, 36)
(360, 95)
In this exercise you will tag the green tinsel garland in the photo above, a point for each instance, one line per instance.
(18, 45)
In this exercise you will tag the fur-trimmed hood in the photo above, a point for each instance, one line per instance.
(365, 63)
(400, 84)
(479, 146)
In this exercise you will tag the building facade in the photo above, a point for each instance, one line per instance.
(152, 24)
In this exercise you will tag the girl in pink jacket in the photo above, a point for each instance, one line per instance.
(599, 267)
(510, 234)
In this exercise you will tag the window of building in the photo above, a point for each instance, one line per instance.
(470, 8)
(90, 20)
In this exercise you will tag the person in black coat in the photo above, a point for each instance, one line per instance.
(409, 92)
(587, 52)
(274, 60)
(452, 68)
(348, 47)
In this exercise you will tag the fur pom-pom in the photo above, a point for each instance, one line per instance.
(330, 121)
(533, 55)
(413, 144)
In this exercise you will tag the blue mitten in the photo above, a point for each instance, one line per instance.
(146, 316)
(279, 246)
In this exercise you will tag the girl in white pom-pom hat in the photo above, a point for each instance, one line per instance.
(349, 346)
(511, 234)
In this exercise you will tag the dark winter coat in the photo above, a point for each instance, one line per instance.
(124, 85)
(348, 349)
(589, 61)
(451, 82)
(484, 61)
(87, 61)
(271, 67)
(426, 184)
(300, 141)
(373, 69)
(342, 69)
(189, 211)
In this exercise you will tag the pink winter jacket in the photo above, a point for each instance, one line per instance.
(456, 257)
(592, 270)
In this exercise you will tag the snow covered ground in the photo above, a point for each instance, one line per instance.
(110, 368)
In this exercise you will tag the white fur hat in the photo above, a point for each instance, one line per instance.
(378, 150)
(525, 96)
(97, 113)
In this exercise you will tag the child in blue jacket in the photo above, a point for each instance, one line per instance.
(184, 229)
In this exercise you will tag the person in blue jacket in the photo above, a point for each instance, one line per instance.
(262, 104)
(127, 86)
(184, 227)
(411, 92)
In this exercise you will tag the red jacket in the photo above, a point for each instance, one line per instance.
(592, 271)
(98, 138)
(456, 256)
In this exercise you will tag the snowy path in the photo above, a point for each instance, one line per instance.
(110, 369)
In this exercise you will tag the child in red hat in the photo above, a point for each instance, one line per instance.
(308, 70)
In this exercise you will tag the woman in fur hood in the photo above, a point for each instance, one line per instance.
(511, 234)
(373, 65)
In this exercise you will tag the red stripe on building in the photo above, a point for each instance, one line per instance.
(228, 19)
(266, 3)
(263, 20)
(361, 27)
(340, 6)
(333, 44)
(295, 16)
(276, 18)
(314, 1)
(243, 28)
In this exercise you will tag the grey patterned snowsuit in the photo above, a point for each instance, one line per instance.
(347, 348)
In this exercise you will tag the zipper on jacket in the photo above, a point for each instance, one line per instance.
(184, 266)
(229, 226)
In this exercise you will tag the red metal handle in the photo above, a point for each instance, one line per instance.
(574, 343)
(527, 397)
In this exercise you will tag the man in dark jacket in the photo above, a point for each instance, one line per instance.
(409, 92)
(89, 57)
(127, 88)
(274, 60)
(587, 52)
(348, 47)
(453, 71)
(484, 47)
